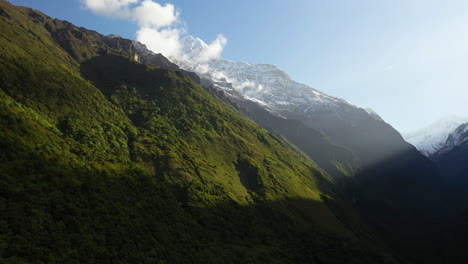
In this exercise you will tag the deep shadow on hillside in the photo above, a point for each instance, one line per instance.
(454, 165)
(403, 199)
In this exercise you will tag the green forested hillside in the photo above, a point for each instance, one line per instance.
(107, 160)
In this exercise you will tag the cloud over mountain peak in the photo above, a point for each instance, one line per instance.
(161, 28)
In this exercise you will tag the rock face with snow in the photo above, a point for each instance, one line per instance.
(265, 84)
(458, 138)
(273, 87)
(432, 138)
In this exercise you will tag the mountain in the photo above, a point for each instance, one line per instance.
(431, 139)
(389, 177)
(274, 90)
(109, 155)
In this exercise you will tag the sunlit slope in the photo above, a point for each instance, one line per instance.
(131, 112)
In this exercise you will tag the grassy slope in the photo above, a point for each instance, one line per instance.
(107, 160)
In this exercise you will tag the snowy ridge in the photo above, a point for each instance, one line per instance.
(432, 138)
(265, 84)
(456, 138)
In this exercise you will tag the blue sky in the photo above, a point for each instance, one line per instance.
(407, 60)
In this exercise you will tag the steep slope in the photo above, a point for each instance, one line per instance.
(108, 160)
(390, 178)
(431, 139)
(452, 157)
(336, 160)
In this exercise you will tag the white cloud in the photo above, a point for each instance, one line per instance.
(160, 28)
(218, 75)
(241, 86)
(152, 14)
(113, 8)
(164, 41)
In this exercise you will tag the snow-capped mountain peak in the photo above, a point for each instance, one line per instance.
(192, 47)
(266, 84)
(432, 138)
